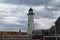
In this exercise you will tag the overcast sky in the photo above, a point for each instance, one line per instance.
(13, 14)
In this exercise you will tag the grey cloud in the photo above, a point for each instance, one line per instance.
(27, 2)
(55, 4)
(44, 14)
(20, 13)
(36, 25)
(11, 27)
(54, 8)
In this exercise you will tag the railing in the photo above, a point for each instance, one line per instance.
(17, 37)
(51, 37)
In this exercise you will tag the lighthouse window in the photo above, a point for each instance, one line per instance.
(28, 20)
(28, 24)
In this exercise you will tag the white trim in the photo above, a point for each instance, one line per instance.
(51, 36)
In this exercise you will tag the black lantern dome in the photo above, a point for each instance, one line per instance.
(30, 9)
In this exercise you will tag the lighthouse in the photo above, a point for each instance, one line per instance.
(30, 21)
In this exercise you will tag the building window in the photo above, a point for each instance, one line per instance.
(53, 32)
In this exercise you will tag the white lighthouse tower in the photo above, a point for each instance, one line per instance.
(30, 21)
